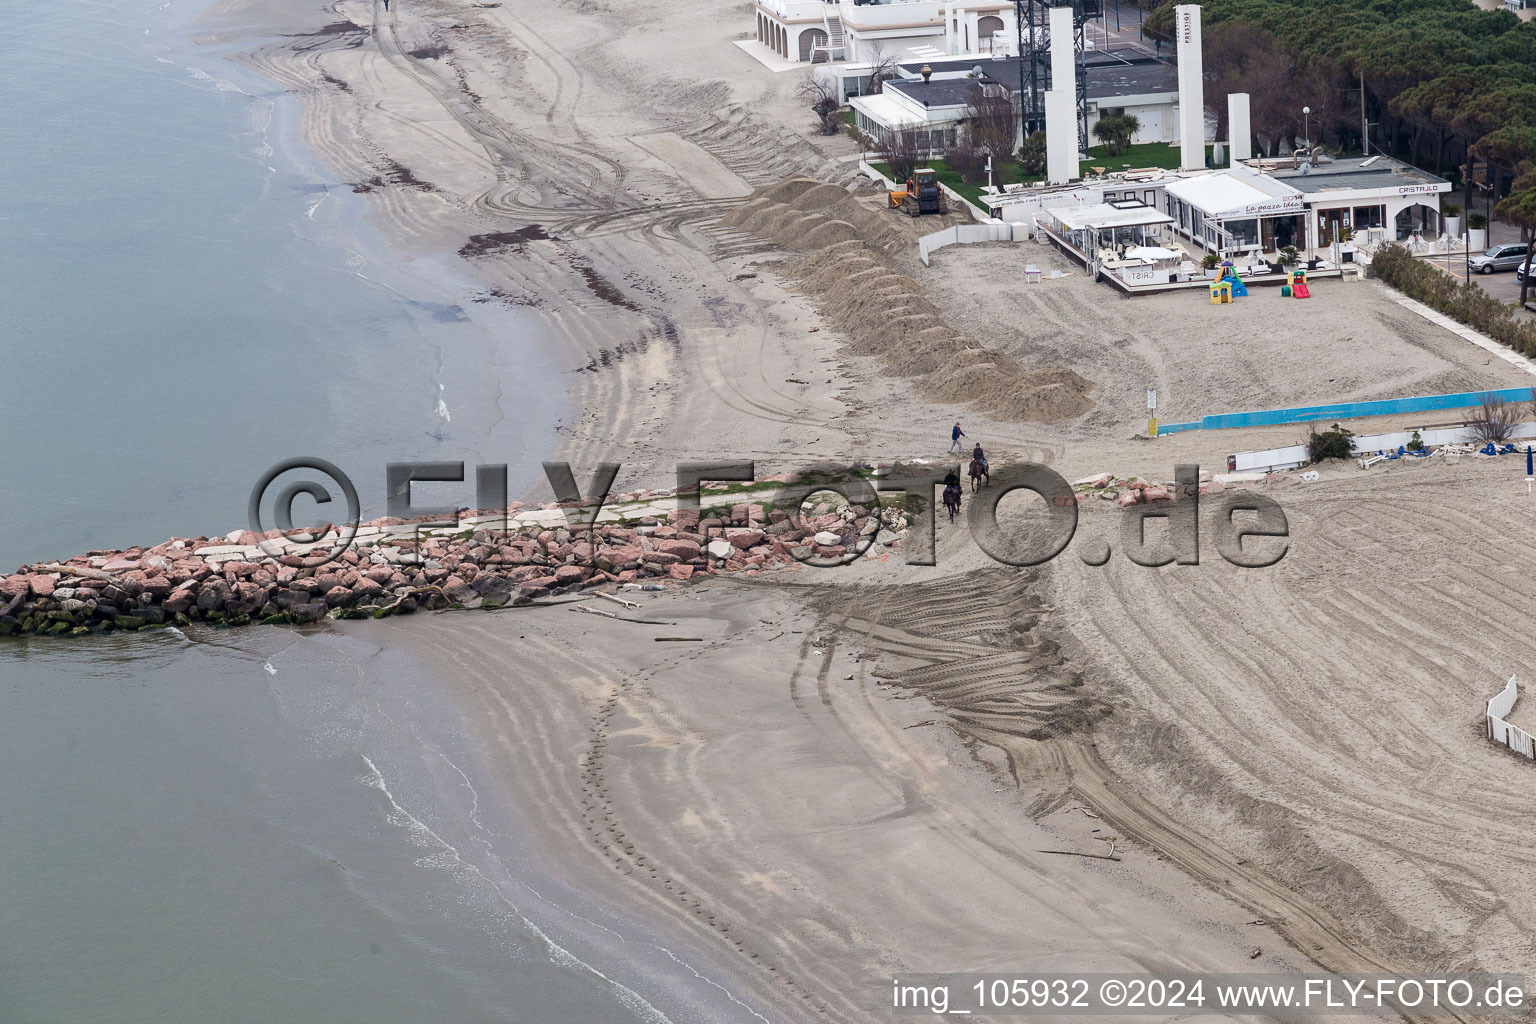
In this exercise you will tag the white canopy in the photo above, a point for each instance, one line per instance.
(1103, 215)
(1151, 252)
(1232, 193)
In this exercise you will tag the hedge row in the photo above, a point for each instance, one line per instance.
(1459, 300)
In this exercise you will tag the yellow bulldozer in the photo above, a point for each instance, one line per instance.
(921, 194)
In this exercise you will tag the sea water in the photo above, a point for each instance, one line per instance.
(187, 296)
(210, 826)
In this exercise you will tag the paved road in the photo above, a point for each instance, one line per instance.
(1500, 284)
(1119, 28)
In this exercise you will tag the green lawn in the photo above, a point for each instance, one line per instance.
(1146, 154)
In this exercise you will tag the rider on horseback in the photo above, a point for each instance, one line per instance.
(952, 493)
(980, 457)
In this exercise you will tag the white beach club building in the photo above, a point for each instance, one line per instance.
(1265, 206)
(856, 30)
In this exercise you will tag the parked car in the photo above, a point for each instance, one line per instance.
(1499, 257)
(1522, 270)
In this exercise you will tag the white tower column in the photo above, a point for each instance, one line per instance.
(1191, 87)
(1239, 132)
(1061, 101)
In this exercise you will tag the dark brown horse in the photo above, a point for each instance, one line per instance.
(978, 471)
(952, 500)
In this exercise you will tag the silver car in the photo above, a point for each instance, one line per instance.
(1499, 257)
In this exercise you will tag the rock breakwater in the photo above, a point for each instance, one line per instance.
(395, 567)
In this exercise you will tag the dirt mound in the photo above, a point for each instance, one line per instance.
(786, 190)
(820, 197)
(847, 268)
(829, 232)
(1041, 401)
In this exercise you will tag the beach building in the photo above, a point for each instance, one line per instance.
(1266, 205)
(933, 96)
(1152, 229)
(868, 30)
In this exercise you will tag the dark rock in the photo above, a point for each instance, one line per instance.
(311, 612)
(494, 588)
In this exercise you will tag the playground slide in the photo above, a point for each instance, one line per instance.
(1299, 290)
(1238, 288)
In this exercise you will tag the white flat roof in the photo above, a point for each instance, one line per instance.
(1228, 194)
(1103, 215)
(886, 111)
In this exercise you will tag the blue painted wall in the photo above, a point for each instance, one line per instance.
(1344, 410)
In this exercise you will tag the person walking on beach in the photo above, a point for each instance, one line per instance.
(954, 438)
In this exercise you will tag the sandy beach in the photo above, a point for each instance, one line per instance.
(854, 774)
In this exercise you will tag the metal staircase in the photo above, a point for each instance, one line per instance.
(836, 43)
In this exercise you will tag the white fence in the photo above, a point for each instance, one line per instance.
(1500, 731)
(1295, 455)
(966, 234)
(1288, 457)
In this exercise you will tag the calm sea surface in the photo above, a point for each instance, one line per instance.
(247, 825)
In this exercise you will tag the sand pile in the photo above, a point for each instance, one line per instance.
(848, 269)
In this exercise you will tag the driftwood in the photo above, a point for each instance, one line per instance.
(84, 572)
(620, 618)
(626, 602)
(1075, 853)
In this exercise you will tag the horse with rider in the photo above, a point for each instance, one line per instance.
(979, 469)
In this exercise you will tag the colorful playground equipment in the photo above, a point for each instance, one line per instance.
(1228, 286)
(1229, 274)
(1296, 285)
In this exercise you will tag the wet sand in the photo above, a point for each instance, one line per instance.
(809, 827)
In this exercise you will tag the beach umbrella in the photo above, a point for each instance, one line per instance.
(1528, 463)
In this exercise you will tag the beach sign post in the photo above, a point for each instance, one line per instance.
(1151, 412)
